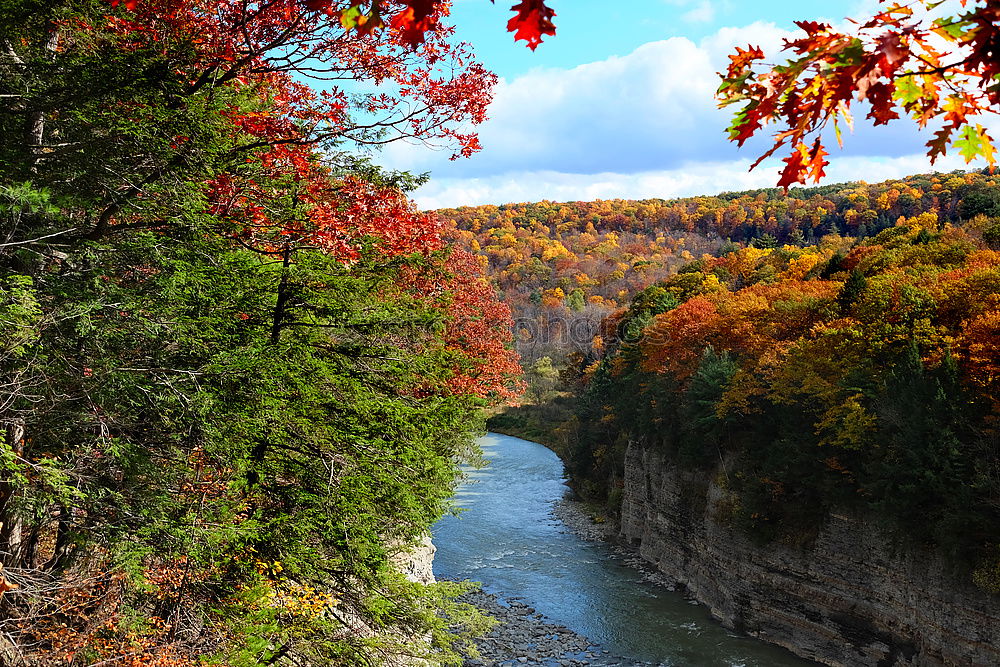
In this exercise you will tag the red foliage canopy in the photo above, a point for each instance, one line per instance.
(284, 193)
(410, 20)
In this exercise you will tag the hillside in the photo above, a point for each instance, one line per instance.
(563, 267)
(853, 374)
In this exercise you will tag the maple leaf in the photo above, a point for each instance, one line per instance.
(907, 91)
(955, 76)
(988, 151)
(742, 58)
(880, 95)
(794, 171)
(973, 142)
(533, 19)
(939, 144)
(415, 21)
(817, 161)
(894, 53)
(813, 28)
(129, 4)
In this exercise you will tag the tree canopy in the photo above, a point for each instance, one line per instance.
(239, 367)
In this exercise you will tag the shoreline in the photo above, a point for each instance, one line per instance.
(525, 637)
(578, 519)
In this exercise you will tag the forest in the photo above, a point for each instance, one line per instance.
(563, 267)
(851, 371)
(239, 367)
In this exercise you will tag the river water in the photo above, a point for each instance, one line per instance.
(508, 539)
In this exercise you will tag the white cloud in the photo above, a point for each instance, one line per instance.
(651, 109)
(703, 12)
(689, 180)
(640, 125)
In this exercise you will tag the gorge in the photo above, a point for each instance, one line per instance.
(509, 539)
(848, 598)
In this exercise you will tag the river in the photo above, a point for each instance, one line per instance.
(509, 539)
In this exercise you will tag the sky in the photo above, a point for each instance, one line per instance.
(620, 104)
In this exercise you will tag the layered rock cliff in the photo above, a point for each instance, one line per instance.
(849, 598)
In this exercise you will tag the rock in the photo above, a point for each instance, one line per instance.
(525, 637)
(849, 599)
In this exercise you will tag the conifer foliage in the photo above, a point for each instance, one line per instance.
(853, 375)
(237, 366)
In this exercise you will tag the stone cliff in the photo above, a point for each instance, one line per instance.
(417, 563)
(850, 598)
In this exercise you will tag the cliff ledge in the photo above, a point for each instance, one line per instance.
(849, 599)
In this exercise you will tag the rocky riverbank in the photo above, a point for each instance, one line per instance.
(584, 524)
(525, 637)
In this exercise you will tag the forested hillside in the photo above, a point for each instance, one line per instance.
(562, 267)
(855, 372)
(238, 368)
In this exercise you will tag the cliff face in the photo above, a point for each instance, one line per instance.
(848, 599)
(417, 564)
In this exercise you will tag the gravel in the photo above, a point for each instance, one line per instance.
(525, 637)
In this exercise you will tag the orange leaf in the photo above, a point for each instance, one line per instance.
(795, 170)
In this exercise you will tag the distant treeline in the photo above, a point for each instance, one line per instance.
(803, 215)
(563, 267)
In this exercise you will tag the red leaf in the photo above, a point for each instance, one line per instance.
(939, 144)
(323, 6)
(894, 53)
(795, 170)
(817, 161)
(880, 96)
(413, 22)
(813, 27)
(742, 59)
(533, 19)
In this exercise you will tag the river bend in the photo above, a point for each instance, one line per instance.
(509, 539)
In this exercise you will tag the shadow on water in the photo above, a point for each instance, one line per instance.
(508, 539)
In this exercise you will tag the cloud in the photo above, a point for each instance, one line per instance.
(651, 109)
(698, 11)
(703, 178)
(703, 12)
(623, 127)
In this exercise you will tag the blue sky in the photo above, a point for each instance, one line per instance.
(588, 30)
(619, 103)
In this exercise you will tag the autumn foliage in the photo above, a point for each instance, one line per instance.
(854, 375)
(239, 366)
(565, 266)
(914, 59)
(409, 20)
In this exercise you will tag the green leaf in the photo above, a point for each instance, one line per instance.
(907, 91)
(349, 17)
(969, 143)
(951, 27)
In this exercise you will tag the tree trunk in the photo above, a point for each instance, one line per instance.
(10, 524)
